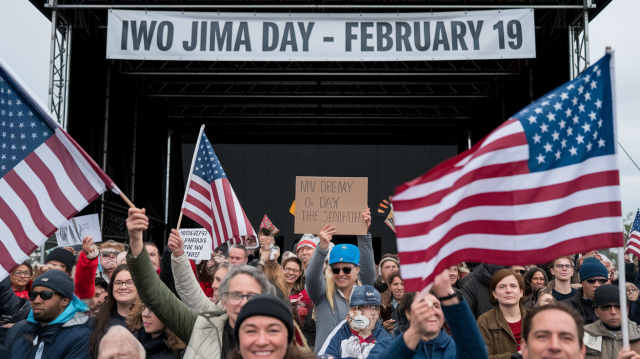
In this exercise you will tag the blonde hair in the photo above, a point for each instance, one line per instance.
(330, 286)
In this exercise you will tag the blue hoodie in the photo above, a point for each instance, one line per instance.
(66, 337)
(464, 330)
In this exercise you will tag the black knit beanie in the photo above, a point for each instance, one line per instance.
(606, 294)
(63, 256)
(269, 306)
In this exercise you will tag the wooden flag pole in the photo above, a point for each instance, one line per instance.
(179, 221)
(126, 200)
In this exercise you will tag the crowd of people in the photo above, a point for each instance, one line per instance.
(320, 300)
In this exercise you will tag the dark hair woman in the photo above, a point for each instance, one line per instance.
(506, 291)
(122, 295)
(534, 280)
(21, 279)
(158, 341)
(265, 324)
(301, 304)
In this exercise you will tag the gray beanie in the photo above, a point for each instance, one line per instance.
(55, 280)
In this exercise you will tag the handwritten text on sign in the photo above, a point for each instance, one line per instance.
(197, 243)
(335, 200)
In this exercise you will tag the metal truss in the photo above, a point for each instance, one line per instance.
(59, 61)
(579, 40)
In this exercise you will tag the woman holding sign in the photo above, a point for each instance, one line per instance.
(347, 262)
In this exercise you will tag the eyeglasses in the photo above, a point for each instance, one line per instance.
(46, 295)
(107, 254)
(608, 307)
(345, 270)
(128, 283)
(20, 273)
(291, 270)
(601, 280)
(235, 298)
(521, 271)
(563, 266)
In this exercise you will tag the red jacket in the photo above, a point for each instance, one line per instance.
(85, 280)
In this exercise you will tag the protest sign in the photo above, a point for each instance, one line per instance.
(197, 243)
(74, 230)
(338, 201)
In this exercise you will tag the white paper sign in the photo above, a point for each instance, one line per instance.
(187, 36)
(197, 243)
(75, 229)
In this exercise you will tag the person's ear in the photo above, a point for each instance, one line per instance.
(523, 349)
(552, 271)
(65, 302)
(596, 312)
(407, 314)
(583, 351)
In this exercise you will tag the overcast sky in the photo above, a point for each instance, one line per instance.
(25, 46)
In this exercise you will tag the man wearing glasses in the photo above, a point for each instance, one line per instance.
(347, 262)
(604, 337)
(57, 324)
(592, 274)
(560, 287)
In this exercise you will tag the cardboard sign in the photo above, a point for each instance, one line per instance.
(74, 230)
(338, 201)
(197, 243)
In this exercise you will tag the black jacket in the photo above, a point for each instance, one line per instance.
(584, 305)
(12, 309)
(156, 348)
(475, 288)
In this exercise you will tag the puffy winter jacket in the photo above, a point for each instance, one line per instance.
(475, 288)
(343, 344)
(584, 306)
(68, 340)
(463, 331)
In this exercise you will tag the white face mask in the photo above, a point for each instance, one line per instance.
(359, 322)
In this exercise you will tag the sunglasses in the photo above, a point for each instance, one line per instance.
(45, 295)
(521, 271)
(345, 270)
(601, 281)
(608, 307)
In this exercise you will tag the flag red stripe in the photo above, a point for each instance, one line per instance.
(519, 227)
(15, 226)
(71, 167)
(247, 224)
(6, 261)
(94, 166)
(492, 171)
(231, 207)
(205, 192)
(507, 258)
(55, 193)
(448, 166)
(511, 198)
(218, 208)
(201, 221)
(194, 202)
(29, 199)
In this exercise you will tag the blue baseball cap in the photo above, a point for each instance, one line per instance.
(345, 253)
(365, 295)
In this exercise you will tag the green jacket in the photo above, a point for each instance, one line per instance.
(497, 334)
(201, 331)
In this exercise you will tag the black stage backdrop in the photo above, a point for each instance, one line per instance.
(263, 177)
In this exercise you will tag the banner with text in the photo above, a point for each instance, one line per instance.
(338, 201)
(188, 36)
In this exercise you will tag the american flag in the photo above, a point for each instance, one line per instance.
(45, 176)
(633, 242)
(209, 199)
(543, 184)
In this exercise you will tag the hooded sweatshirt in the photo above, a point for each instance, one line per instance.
(66, 337)
(475, 288)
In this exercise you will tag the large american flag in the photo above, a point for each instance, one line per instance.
(209, 199)
(633, 242)
(543, 184)
(45, 176)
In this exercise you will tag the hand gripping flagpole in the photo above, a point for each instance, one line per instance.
(193, 163)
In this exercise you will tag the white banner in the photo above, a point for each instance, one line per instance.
(75, 229)
(197, 243)
(187, 36)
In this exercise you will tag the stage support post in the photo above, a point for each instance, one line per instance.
(166, 195)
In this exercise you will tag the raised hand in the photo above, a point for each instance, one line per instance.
(176, 243)
(366, 215)
(442, 285)
(326, 235)
(137, 223)
(87, 246)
